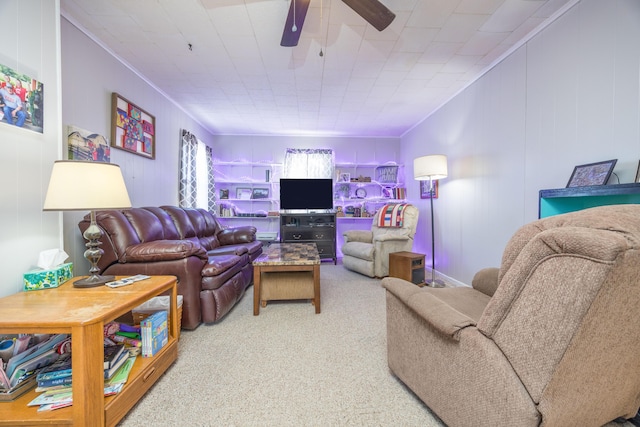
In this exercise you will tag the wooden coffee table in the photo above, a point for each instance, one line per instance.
(286, 271)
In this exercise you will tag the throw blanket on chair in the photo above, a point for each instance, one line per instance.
(392, 215)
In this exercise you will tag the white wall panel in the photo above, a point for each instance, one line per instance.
(569, 96)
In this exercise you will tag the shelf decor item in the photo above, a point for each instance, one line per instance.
(132, 128)
(431, 168)
(260, 193)
(592, 174)
(387, 174)
(638, 173)
(82, 186)
(243, 193)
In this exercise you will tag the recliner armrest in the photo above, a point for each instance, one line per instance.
(444, 318)
(364, 236)
(163, 250)
(486, 280)
(237, 235)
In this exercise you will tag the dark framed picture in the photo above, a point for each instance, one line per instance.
(638, 173)
(260, 193)
(592, 174)
(224, 193)
(132, 128)
(424, 190)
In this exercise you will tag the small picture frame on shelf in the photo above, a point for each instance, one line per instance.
(425, 192)
(260, 193)
(638, 173)
(344, 177)
(243, 193)
(224, 193)
(592, 174)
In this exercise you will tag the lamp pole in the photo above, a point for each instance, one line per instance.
(434, 283)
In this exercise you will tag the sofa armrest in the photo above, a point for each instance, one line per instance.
(440, 315)
(364, 236)
(163, 250)
(486, 280)
(237, 235)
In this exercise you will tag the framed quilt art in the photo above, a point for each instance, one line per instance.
(132, 128)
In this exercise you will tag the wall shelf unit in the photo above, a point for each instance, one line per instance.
(563, 200)
(362, 188)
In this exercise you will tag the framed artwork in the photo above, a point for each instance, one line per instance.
(424, 190)
(224, 193)
(132, 128)
(243, 193)
(20, 89)
(260, 193)
(88, 146)
(592, 174)
(638, 173)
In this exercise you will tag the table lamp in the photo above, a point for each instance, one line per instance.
(431, 168)
(76, 185)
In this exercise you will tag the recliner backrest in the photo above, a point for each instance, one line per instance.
(410, 223)
(554, 272)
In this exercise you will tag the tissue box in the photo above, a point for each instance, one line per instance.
(46, 279)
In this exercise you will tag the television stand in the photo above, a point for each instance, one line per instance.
(310, 226)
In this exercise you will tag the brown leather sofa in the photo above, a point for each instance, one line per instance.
(212, 264)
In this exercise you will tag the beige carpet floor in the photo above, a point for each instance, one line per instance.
(289, 366)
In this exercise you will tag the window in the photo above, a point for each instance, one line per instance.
(197, 186)
(308, 163)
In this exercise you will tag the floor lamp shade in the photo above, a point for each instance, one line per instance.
(431, 168)
(87, 186)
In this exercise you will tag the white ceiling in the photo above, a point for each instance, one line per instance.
(236, 78)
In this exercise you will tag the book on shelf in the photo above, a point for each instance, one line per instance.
(54, 382)
(59, 369)
(154, 332)
(122, 375)
(117, 364)
(111, 354)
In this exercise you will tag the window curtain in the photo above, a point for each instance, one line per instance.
(196, 182)
(308, 163)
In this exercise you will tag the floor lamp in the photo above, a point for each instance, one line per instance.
(431, 168)
(87, 186)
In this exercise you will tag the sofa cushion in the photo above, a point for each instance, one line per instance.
(221, 268)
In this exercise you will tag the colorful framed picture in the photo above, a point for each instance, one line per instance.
(132, 128)
(88, 146)
(424, 190)
(21, 98)
(592, 174)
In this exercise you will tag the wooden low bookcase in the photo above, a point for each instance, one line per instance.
(82, 312)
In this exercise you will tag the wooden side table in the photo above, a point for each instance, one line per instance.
(408, 266)
(82, 312)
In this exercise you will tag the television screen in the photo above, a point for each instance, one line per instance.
(310, 193)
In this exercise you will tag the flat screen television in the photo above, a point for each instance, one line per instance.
(309, 193)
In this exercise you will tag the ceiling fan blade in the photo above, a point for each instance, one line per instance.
(374, 12)
(290, 37)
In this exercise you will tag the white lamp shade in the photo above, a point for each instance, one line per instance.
(76, 185)
(430, 167)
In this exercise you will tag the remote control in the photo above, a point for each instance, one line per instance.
(127, 281)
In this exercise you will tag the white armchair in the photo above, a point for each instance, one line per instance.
(367, 251)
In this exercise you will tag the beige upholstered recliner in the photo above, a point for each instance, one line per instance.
(552, 338)
(367, 251)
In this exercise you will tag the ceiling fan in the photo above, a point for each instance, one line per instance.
(374, 12)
